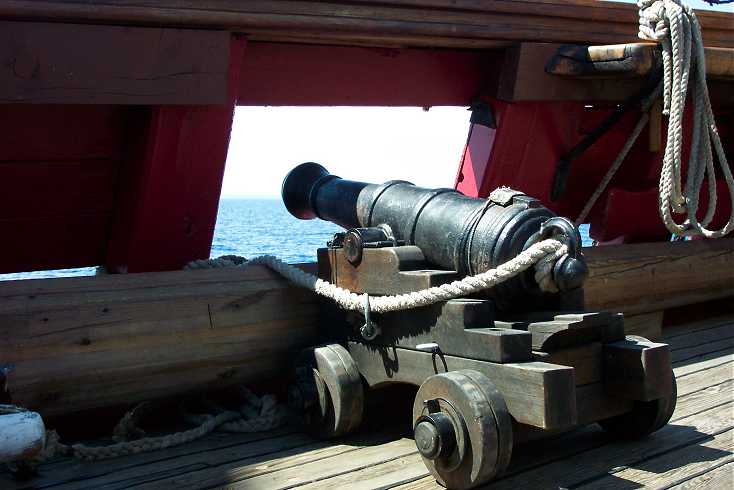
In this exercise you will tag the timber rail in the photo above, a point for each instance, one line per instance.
(427, 23)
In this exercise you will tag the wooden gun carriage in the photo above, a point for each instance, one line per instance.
(492, 367)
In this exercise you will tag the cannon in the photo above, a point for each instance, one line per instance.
(493, 370)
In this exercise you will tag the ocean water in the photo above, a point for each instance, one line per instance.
(251, 227)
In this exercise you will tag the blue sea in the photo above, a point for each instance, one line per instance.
(251, 227)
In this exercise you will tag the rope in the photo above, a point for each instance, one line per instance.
(550, 250)
(675, 26)
(255, 415)
(223, 261)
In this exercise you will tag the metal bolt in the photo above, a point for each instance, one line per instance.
(434, 436)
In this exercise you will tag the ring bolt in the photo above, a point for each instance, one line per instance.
(434, 435)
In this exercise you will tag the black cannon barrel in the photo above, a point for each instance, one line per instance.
(454, 231)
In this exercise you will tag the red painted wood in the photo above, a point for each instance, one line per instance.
(531, 137)
(473, 166)
(634, 215)
(58, 168)
(54, 242)
(521, 153)
(61, 132)
(170, 190)
(57, 188)
(315, 75)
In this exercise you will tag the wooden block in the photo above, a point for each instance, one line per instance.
(647, 325)
(86, 64)
(553, 331)
(586, 360)
(628, 60)
(595, 403)
(637, 370)
(460, 327)
(383, 271)
(500, 344)
(537, 393)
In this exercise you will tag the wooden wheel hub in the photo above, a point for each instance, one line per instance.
(462, 428)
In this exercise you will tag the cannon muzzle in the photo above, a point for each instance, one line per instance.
(454, 231)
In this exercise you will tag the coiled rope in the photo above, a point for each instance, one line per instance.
(255, 415)
(674, 25)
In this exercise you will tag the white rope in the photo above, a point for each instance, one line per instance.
(255, 415)
(545, 253)
(675, 26)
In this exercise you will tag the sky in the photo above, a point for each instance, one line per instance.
(371, 144)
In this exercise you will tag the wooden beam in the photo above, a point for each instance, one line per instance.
(537, 393)
(297, 74)
(83, 64)
(531, 72)
(647, 277)
(170, 192)
(628, 60)
(441, 22)
(87, 342)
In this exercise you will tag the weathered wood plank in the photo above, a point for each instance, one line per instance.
(714, 479)
(84, 64)
(544, 20)
(67, 471)
(689, 430)
(641, 278)
(647, 325)
(673, 333)
(291, 468)
(625, 60)
(672, 467)
(118, 339)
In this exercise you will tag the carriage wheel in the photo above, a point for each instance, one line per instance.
(328, 391)
(463, 430)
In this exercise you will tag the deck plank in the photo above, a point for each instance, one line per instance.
(669, 468)
(716, 479)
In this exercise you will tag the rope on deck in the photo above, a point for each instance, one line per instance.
(255, 415)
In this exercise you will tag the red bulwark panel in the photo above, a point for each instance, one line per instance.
(58, 168)
(170, 191)
(314, 75)
(531, 137)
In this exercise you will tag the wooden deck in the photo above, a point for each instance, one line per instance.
(695, 451)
